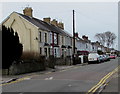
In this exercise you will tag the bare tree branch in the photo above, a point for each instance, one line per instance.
(106, 38)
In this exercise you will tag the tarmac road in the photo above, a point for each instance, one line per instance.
(75, 79)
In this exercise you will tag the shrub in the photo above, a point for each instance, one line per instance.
(11, 47)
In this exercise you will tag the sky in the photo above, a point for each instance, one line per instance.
(90, 17)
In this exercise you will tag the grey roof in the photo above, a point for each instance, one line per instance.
(33, 21)
(44, 25)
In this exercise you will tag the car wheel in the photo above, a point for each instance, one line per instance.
(98, 61)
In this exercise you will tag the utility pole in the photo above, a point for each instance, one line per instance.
(74, 38)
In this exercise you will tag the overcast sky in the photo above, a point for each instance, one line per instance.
(90, 17)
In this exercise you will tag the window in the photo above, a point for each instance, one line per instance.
(55, 53)
(45, 49)
(55, 38)
(40, 50)
(40, 36)
(50, 37)
(86, 46)
(68, 52)
(71, 41)
(62, 53)
(62, 40)
(49, 51)
(45, 37)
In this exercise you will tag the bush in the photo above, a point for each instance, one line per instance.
(77, 60)
(11, 47)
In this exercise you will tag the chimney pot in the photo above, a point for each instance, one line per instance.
(54, 22)
(61, 25)
(47, 19)
(76, 34)
(28, 11)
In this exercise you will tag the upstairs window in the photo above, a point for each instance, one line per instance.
(40, 36)
(62, 40)
(71, 41)
(45, 37)
(55, 38)
(51, 38)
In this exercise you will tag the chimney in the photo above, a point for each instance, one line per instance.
(76, 34)
(28, 11)
(61, 25)
(47, 19)
(54, 22)
(85, 37)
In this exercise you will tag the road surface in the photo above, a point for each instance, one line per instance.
(76, 79)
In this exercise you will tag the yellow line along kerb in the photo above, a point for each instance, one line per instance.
(21, 79)
(102, 81)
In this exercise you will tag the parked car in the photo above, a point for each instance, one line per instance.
(101, 58)
(112, 56)
(108, 57)
(105, 57)
(93, 57)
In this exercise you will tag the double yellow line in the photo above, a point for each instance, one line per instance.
(18, 80)
(102, 81)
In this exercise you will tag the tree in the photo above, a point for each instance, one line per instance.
(110, 38)
(101, 38)
(106, 38)
(11, 47)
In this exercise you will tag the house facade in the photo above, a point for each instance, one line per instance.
(47, 37)
(40, 37)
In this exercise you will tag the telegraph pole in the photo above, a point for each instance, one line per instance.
(74, 38)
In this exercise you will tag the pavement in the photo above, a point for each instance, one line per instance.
(10, 78)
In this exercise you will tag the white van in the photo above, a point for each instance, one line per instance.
(93, 57)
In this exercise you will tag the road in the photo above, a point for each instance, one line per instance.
(76, 79)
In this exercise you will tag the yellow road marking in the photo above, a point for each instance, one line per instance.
(103, 80)
(98, 83)
(21, 79)
(48, 72)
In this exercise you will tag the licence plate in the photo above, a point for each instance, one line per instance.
(91, 59)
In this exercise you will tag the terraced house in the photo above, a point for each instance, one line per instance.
(40, 37)
(47, 37)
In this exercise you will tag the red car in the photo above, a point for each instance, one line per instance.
(112, 56)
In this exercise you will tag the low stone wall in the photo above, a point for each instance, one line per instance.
(21, 68)
(38, 65)
(78, 60)
(4, 72)
(63, 61)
